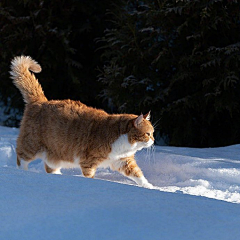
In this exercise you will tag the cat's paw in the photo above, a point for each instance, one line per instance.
(147, 185)
(144, 183)
(57, 171)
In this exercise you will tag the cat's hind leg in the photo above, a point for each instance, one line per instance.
(23, 161)
(51, 170)
(27, 149)
(129, 168)
(25, 154)
(22, 164)
(88, 170)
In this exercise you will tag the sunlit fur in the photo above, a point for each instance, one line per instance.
(69, 134)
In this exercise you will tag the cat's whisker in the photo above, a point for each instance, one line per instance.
(146, 154)
(153, 153)
(155, 124)
(149, 154)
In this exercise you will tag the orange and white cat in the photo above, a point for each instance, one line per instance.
(69, 134)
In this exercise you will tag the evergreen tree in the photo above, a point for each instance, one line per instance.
(181, 60)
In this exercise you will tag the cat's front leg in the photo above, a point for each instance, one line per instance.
(129, 168)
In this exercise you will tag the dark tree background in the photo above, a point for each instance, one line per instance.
(60, 35)
(180, 59)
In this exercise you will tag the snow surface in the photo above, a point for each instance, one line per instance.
(36, 205)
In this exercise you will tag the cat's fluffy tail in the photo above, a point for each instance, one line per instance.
(25, 81)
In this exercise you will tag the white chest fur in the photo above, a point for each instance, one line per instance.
(121, 148)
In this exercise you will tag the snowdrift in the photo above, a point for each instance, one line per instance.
(36, 205)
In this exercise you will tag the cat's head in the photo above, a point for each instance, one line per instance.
(141, 132)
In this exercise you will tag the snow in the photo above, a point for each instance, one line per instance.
(212, 172)
(196, 196)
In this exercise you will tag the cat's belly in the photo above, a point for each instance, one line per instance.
(61, 164)
(111, 163)
(66, 164)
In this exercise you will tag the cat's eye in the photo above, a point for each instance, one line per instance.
(149, 134)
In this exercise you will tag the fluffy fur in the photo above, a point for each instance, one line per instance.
(68, 133)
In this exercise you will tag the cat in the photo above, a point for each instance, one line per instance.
(69, 134)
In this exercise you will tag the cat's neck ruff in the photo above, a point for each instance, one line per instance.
(122, 148)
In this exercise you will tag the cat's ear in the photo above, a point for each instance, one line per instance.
(138, 121)
(147, 116)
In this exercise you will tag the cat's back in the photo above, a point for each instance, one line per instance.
(66, 121)
(62, 111)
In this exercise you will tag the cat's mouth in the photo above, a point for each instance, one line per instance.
(149, 143)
